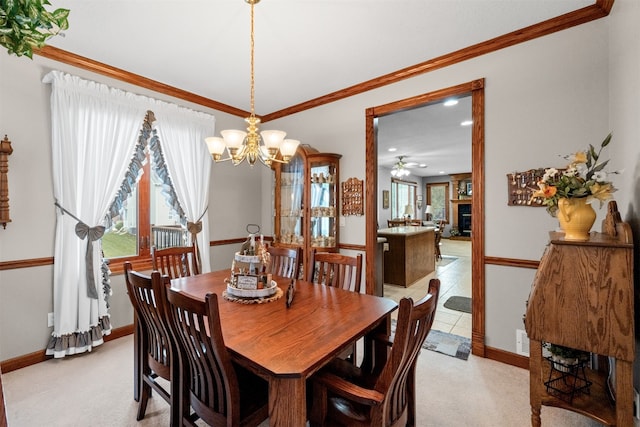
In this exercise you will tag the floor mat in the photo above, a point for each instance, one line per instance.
(459, 304)
(445, 343)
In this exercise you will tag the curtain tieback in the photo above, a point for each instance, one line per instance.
(92, 234)
(194, 228)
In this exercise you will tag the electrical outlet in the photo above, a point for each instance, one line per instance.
(636, 404)
(522, 342)
(50, 319)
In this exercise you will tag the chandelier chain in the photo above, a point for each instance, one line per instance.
(252, 145)
(252, 64)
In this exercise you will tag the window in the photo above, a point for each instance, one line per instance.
(403, 194)
(145, 220)
(438, 198)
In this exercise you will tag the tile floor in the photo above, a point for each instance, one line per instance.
(455, 279)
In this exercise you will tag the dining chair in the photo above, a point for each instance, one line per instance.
(154, 346)
(437, 238)
(385, 395)
(337, 270)
(219, 392)
(175, 262)
(284, 262)
(396, 223)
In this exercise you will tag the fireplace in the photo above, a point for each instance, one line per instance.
(464, 220)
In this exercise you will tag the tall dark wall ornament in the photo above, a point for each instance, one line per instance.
(5, 152)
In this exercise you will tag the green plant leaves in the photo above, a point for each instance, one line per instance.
(26, 24)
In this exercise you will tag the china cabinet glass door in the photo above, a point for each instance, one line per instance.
(291, 210)
(306, 203)
(323, 205)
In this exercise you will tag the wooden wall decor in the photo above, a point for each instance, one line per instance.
(521, 186)
(5, 152)
(353, 197)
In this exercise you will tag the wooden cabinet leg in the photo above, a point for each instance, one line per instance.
(535, 381)
(624, 393)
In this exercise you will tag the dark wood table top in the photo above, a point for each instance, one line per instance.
(296, 341)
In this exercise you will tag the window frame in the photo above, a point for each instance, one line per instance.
(141, 261)
(447, 210)
(399, 210)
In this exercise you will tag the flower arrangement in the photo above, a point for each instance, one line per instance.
(583, 177)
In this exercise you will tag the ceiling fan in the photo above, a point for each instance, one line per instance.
(401, 168)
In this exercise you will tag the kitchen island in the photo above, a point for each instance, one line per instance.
(411, 254)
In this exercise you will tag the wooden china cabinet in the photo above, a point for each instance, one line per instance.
(306, 203)
(582, 298)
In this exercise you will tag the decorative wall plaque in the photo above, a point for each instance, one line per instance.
(521, 185)
(353, 197)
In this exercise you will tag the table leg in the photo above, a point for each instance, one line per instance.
(287, 402)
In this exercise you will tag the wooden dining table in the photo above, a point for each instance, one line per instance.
(284, 345)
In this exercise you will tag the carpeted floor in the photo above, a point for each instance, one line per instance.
(95, 389)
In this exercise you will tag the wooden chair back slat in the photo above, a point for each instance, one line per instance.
(175, 262)
(284, 262)
(337, 270)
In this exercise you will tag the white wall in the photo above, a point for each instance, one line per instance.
(624, 116)
(544, 98)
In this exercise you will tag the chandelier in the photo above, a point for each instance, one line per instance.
(250, 145)
(400, 169)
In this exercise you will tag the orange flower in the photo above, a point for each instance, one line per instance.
(546, 191)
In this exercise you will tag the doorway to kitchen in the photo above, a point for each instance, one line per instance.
(476, 90)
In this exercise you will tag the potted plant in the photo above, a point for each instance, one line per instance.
(26, 24)
(564, 358)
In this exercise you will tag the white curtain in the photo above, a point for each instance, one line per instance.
(94, 131)
(94, 135)
(182, 132)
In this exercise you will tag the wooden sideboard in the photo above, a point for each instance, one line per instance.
(582, 297)
(411, 254)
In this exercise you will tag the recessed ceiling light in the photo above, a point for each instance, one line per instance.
(441, 172)
(392, 149)
(422, 165)
(450, 102)
(466, 123)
